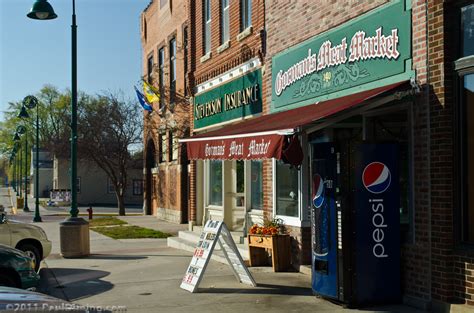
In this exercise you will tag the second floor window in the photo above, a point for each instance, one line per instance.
(172, 69)
(161, 77)
(207, 26)
(245, 14)
(150, 69)
(224, 21)
(163, 148)
(174, 145)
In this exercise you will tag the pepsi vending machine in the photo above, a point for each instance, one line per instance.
(356, 224)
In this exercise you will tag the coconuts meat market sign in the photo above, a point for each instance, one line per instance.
(367, 49)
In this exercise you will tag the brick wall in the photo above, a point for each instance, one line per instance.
(452, 264)
(416, 253)
(158, 26)
(238, 51)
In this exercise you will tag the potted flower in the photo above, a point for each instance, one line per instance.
(269, 238)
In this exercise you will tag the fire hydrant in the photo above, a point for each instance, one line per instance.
(90, 211)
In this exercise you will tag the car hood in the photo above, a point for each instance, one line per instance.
(32, 229)
(9, 251)
(12, 298)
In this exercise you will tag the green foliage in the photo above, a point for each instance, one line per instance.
(106, 221)
(130, 232)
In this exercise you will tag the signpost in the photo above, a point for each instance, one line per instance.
(215, 232)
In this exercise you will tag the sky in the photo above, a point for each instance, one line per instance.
(34, 53)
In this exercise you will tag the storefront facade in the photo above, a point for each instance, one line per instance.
(345, 77)
(226, 82)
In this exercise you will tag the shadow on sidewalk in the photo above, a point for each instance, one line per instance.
(116, 257)
(266, 289)
(72, 283)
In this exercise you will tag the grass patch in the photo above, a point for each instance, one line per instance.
(106, 221)
(130, 232)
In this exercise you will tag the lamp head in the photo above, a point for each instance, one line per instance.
(30, 102)
(23, 113)
(21, 129)
(16, 137)
(42, 10)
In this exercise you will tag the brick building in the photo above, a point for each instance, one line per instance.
(289, 96)
(450, 52)
(227, 47)
(164, 34)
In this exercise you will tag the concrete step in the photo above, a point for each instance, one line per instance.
(187, 242)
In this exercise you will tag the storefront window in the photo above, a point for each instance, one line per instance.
(465, 67)
(215, 182)
(256, 185)
(286, 190)
(240, 183)
(467, 24)
(468, 155)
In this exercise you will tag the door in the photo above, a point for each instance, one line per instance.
(323, 219)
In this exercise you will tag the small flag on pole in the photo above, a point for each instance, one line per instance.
(141, 98)
(151, 94)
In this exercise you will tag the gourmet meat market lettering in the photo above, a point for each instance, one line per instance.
(362, 47)
(217, 150)
(260, 148)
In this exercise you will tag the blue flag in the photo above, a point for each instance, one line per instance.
(141, 98)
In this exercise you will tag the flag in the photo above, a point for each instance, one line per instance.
(151, 93)
(141, 98)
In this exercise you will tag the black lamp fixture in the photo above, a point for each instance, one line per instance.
(42, 10)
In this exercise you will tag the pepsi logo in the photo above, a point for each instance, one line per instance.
(318, 191)
(376, 177)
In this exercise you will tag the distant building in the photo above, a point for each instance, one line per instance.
(45, 173)
(93, 185)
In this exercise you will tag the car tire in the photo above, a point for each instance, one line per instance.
(9, 281)
(32, 252)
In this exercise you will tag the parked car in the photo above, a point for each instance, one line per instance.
(17, 269)
(25, 237)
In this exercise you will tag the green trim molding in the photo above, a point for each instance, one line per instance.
(367, 52)
(231, 101)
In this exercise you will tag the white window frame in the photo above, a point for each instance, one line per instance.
(245, 14)
(288, 220)
(207, 26)
(225, 23)
(207, 168)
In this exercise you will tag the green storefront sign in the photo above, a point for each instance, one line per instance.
(366, 52)
(234, 100)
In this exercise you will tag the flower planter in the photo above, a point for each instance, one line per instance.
(279, 245)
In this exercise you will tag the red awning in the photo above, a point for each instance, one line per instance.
(263, 137)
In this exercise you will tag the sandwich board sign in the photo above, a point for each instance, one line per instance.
(215, 232)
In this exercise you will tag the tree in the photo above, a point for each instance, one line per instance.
(108, 128)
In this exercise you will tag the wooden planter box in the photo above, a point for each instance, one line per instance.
(279, 245)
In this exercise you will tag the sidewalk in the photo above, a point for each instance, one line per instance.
(144, 275)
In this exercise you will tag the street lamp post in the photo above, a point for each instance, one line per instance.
(30, 102)
(25, 206)
(20, 130)
(42, 10)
